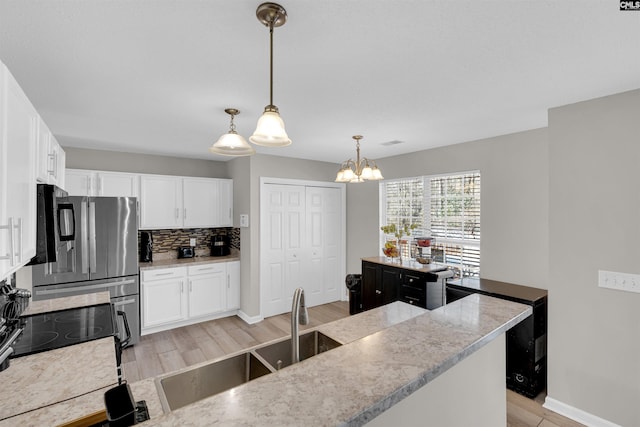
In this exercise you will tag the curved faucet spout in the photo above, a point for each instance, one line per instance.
(299, 315)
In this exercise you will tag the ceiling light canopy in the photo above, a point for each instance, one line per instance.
(360, 170)
(270, 130)
(232, 143)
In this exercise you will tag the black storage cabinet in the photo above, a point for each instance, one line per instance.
(527, 341)
(354, 285)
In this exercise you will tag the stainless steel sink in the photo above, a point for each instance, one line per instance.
(278, 354)
(195, 384)
(190, 386)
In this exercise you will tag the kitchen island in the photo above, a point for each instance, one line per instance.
(376, 369)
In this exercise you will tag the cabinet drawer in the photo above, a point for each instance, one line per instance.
(163, 273)
(217, 267)
(413, 296)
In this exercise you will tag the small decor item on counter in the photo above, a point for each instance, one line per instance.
(390, 249)
(220, 245)
(422, 260)
(398, 232)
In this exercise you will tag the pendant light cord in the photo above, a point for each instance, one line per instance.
(271, 63)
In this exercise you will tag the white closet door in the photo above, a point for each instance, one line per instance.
(282, 251)
(323, 239)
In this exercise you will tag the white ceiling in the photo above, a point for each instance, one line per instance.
(155, 76)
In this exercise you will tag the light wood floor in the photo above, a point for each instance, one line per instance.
(168, 351)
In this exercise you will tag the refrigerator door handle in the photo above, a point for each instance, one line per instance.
(92, 237)
(83, 288)
(85, 250)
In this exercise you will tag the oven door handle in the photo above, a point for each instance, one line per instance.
(124, 342)
(84, 288)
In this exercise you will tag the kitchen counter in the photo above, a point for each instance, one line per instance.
(58, 385)
(384, 359)
(42, 379)
(493, 287)
(174, 262)
(408, 264)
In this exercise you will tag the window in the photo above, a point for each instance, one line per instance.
(445, 207)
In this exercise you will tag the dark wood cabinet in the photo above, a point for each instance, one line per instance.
(383, 284)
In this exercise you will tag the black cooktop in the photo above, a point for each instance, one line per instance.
(48, 331)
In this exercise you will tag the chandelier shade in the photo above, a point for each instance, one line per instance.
(360, 170)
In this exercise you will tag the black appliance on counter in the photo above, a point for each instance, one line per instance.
(146, 246)
(527, 341)
(186, 252)
(220, 245)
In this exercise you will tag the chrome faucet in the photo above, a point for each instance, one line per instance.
(299, 315)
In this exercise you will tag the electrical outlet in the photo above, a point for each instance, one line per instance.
(192, 241)
(619, 281)
(244, 220)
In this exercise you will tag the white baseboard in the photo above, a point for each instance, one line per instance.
(576, 414)
(249, 319)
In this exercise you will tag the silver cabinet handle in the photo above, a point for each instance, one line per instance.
(84, 287)
(181, 286)
(228, 281)
(52, 161)
(11, 253)
(124, 302)
(163, 274)
(19, 248)
(100, 189)
(177, 213)
(190, 286)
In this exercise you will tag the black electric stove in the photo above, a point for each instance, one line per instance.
(48, 331)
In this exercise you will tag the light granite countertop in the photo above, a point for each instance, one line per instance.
(50, 377)
(174, 262)
(77, 376)
(408, 264)
(388, 353)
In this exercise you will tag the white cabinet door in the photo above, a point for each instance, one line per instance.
(233, 285)
(200, 207)
(18, 128)
(207, 289)
(160, 202)
(163, 302)
(79, 182)
(117, 184)
(225, 203)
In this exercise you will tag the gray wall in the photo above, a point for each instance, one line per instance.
(594, 333)
(514, 185)
(114, 161)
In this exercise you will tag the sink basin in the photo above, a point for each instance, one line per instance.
(190, 386)
(278, 354)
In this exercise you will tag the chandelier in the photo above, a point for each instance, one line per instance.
(360, 170)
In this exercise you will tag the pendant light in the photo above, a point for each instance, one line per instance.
(270, 130)
(359, 171)
(232, 143)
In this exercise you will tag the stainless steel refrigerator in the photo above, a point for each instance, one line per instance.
(101, 256)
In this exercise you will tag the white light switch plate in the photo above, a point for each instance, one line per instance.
(619, 281)
(192, 241)
(244, 220)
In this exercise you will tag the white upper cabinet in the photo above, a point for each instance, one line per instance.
(160, 202)
(97, 183)
(18, 134)
(182, 202)
(51, 157)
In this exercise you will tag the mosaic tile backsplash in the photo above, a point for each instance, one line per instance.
(167, 242)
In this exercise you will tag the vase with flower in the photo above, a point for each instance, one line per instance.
(393, 248)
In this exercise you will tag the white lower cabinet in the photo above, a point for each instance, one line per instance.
(179, 296)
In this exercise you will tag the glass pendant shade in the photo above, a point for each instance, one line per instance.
(270, 131)
(367, 173)
(232, 144)
(339, 176)
(348, 175)
(377, 175)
